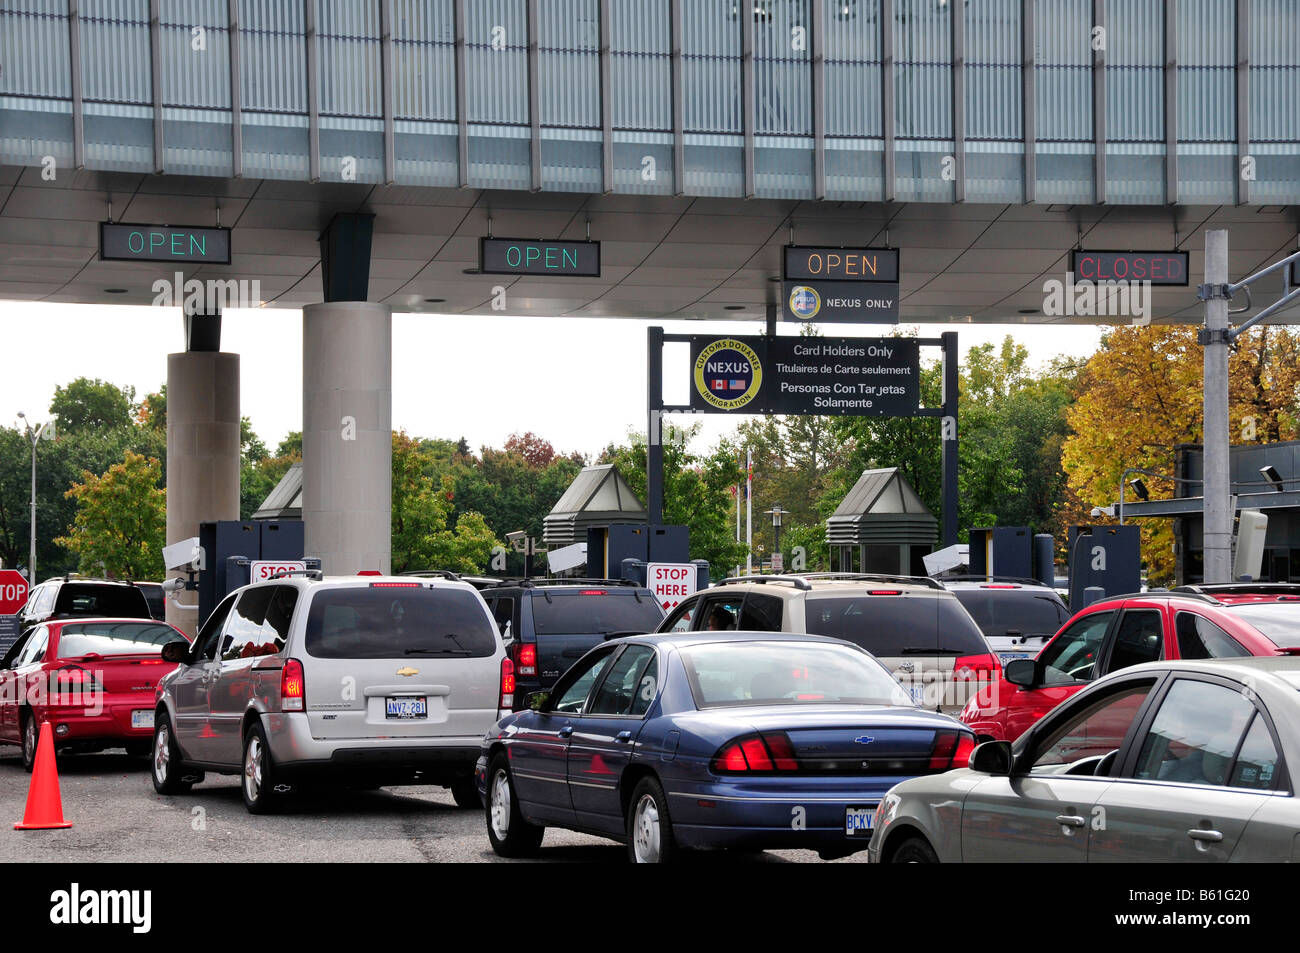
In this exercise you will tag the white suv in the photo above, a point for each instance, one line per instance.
(911, 624)
(366, 679)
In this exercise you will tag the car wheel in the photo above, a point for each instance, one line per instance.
(465, 793)
(914, 850)
(262, 789)
(165, 764)
(649, 828)
(510, 834)
(30, 737)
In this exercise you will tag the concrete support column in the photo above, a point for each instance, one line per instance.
(202, 453)
(347, 444)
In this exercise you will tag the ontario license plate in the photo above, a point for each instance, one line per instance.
(406, 707)
(858, 820)
(142, 719)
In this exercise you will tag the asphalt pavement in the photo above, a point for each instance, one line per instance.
(117, 816)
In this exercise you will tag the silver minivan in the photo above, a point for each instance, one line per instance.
(367, 680)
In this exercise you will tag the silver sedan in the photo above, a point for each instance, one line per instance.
(1169, 761)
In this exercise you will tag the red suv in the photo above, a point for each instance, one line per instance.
(1126, 630)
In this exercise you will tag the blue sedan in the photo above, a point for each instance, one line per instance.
(753, 740)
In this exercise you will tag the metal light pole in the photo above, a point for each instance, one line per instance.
(34, 437)
(776, 512)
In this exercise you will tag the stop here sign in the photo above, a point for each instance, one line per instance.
(13, 591)
(671, 583)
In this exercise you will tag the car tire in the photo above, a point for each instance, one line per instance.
(649, 828)
(259, 780)
(166, 767)
(31, 736)
(465, 793)
(510, 834)
(914, 850)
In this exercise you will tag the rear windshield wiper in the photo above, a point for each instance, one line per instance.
(922, 650)
(437, 652)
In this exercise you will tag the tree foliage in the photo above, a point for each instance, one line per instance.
(87, 404)
(120, 525)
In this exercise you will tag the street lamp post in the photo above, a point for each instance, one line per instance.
(34, 436)
(776, 513)
(1139, 487)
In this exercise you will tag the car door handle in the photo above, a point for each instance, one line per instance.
(623, 737)
(566, 731)
(1070, 820)
(1203, 837)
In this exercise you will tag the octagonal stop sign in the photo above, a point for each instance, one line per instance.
(13, 591)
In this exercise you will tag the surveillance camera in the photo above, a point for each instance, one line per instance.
(185, 556)
(516, 536)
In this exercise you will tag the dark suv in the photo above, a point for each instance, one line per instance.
(548, 624)
(1017, 616)
(71, 597)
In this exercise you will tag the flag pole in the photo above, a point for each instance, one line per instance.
(749, 512)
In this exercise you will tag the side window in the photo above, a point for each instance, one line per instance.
(503, 611)
(647, 687)
(1199, 638)
(1195, 734)
(1072, 655)
(1095, 731)
(1256, 765)
(761, 613)
(35, 651)
(680, 620)
(576, 684)
(243, 634)
(46, 605)
(1141, 638)
(16, 651)
(279, 616)
(206, 640)
(720, 614)
(33, 600)
(618, 691)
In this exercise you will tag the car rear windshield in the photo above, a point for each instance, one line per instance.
(1279, 622)
(399, 622)
(730, 674)
(115, 638)
(1029, 612)
(594, 612)
(892, 626)
(111, 601)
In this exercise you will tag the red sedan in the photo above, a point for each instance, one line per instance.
(93, 680)
(1115, 633)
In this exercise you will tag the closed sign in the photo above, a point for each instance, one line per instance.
(262, 570)
(671, 583)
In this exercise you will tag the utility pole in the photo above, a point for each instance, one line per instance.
(1217, 505)
(34, 436)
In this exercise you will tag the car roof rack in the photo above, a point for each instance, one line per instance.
(1162, 594)
(432, 574)
(877, 577)
(314, 574)
(1241, 588)
(534, 582)
(972, 577)
(797, 581)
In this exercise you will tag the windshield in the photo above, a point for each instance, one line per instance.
(594, 612)
(997, 611)
(1277, 621)
(101, 599)
(115, 638)
(399, 621)
(893, 626)
(730, 674)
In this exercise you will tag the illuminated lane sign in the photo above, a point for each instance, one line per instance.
(119, 242)
(523, 256)
(1157, 267)
(812, 263)
(849, 285)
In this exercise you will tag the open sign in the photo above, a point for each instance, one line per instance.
(671, 583)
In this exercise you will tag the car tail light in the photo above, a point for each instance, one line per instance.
(884, 592)
(369, 572)
(395, 585)
(961, 757)
(526, 658)
(293, 689)
(594, 592)
(767, 752)
(507, 684)
(71, 685)
(998, 585)
(982, 668)
(945, 746)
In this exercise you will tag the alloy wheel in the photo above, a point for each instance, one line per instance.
(645, 836)
(501, 805)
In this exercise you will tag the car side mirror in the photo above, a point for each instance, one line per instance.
(536, 701)
(176, 652)
(1022, 672)
(992, 757)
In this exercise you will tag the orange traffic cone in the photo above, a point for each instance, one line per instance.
(44, 806)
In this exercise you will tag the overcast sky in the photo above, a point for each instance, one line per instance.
(578, 382)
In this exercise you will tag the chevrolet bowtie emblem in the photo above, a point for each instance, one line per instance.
(407, 670)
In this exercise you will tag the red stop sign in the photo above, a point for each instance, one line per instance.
(13, 591)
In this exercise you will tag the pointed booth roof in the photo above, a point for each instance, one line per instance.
(882, 508)
(597, 498)
(285, 501)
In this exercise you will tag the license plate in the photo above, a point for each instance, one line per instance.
(918, 693)
(858, 820)
(409, 707)
(142, 719)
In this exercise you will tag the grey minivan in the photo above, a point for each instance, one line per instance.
(369, 680)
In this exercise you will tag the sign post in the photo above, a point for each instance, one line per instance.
(13, 595)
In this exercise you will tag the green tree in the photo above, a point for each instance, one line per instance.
(87, 404)
(427, 532)
(121, 522)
